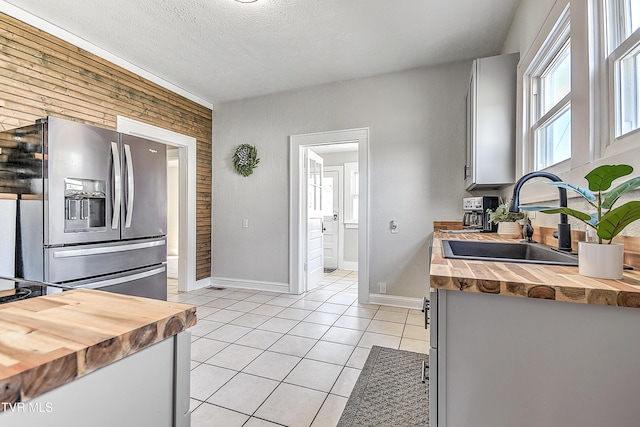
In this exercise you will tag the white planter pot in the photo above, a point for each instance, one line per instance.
(601, 261)
(509, 230)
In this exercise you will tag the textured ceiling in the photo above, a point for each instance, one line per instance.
(221, 49)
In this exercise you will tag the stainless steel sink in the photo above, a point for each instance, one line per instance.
(531, 253)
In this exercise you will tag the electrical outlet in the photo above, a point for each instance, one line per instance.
(393, 226)
(531, 214)
(245, 223)
(383, 287)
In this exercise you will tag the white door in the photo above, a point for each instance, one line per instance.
(330, 218)
(315, 265)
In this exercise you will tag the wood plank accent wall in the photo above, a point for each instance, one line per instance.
(631, 243)
(42, 75)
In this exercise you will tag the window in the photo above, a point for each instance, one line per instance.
(580, 90)
(549, 76)
(314, 182)
(623, 57)
(351, 193)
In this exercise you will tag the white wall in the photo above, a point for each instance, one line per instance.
(417, 127)
(350, 244)
(339, 158)
(526, 24)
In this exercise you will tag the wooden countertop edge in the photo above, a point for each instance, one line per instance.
(579, 289)
(537, 291)
(74, 364)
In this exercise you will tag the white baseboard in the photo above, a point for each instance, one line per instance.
(223, 282)
(396, 301)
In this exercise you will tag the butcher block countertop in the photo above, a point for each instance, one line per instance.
(552, 282)
(51, 340)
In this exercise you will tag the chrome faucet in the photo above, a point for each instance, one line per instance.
(564, 228)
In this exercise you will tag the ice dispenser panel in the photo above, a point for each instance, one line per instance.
(85, 205)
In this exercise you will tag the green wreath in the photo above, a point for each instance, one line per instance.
(245, 159)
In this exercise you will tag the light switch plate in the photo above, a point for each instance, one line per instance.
(245, 223)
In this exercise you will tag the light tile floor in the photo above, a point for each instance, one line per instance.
(268, 359)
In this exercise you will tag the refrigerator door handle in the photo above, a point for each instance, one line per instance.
(115, 221)
(70, 253)
(119, 280)
(131, 186)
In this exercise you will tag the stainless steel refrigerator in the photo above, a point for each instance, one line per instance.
(91, 207)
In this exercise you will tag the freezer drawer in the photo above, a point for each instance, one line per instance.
(149, 282)
(70, 263)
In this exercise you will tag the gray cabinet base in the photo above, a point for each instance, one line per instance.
(506, 361)
(148, 388)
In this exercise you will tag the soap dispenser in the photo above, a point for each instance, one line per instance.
(527, 231)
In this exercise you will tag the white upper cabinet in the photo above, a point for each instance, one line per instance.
(491, 123)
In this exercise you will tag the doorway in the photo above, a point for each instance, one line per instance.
(340, 205)
(186, 158)
(299, 202)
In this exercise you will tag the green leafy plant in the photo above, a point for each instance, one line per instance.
(502, 214)
(606, 221)
(245, 159)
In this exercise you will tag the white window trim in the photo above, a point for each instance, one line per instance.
(551, 40)
(629, 141)
(349, 222)
(585, 90)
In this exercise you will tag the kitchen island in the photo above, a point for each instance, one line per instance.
(531, 345)
(87, 357)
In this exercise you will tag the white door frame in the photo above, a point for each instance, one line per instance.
(297, 215)
(187, 190)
